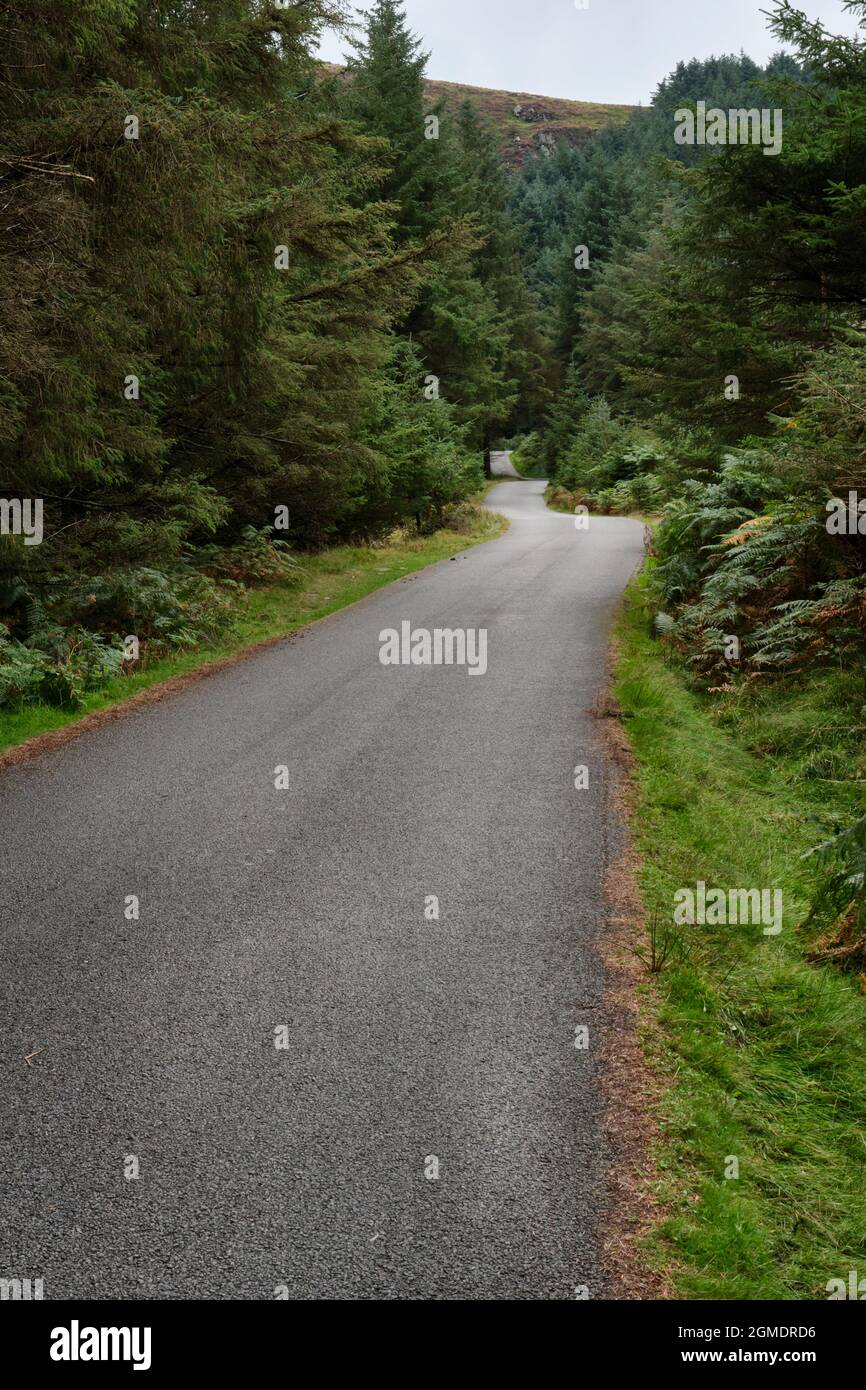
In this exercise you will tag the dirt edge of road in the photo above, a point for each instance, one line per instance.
(631, 1089)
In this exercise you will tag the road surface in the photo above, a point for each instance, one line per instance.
(501, 465)
(427, 1128)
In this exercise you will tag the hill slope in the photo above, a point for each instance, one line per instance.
(527, 123)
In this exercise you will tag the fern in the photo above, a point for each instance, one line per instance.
(841, 865)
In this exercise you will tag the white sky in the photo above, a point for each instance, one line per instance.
(613, 51)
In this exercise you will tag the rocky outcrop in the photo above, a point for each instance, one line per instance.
(545, 141)
(533, 114)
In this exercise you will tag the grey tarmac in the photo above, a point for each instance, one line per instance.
(307, 1168)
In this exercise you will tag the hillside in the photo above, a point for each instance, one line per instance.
(526, 122)
(532, 123)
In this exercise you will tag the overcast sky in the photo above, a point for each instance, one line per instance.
(613, 51)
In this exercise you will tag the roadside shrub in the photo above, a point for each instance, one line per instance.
(704, 514)
(528, 455)
(175, 608)
(22, 670)
(640, 494)
(258, 557)
(67, 641)
(599, 438)
(86, 663)
(462, 517)
(56, 665)
(606, 451)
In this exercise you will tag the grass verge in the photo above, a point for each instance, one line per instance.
(330, 580)
(763, 1051)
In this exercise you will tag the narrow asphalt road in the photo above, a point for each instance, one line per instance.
(412, 1046)
(501, 465)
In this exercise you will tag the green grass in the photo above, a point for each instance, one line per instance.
(765, 1052)
(330, 580)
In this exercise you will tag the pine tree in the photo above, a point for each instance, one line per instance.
(203, 283)
(472, 324)
(385, 95)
